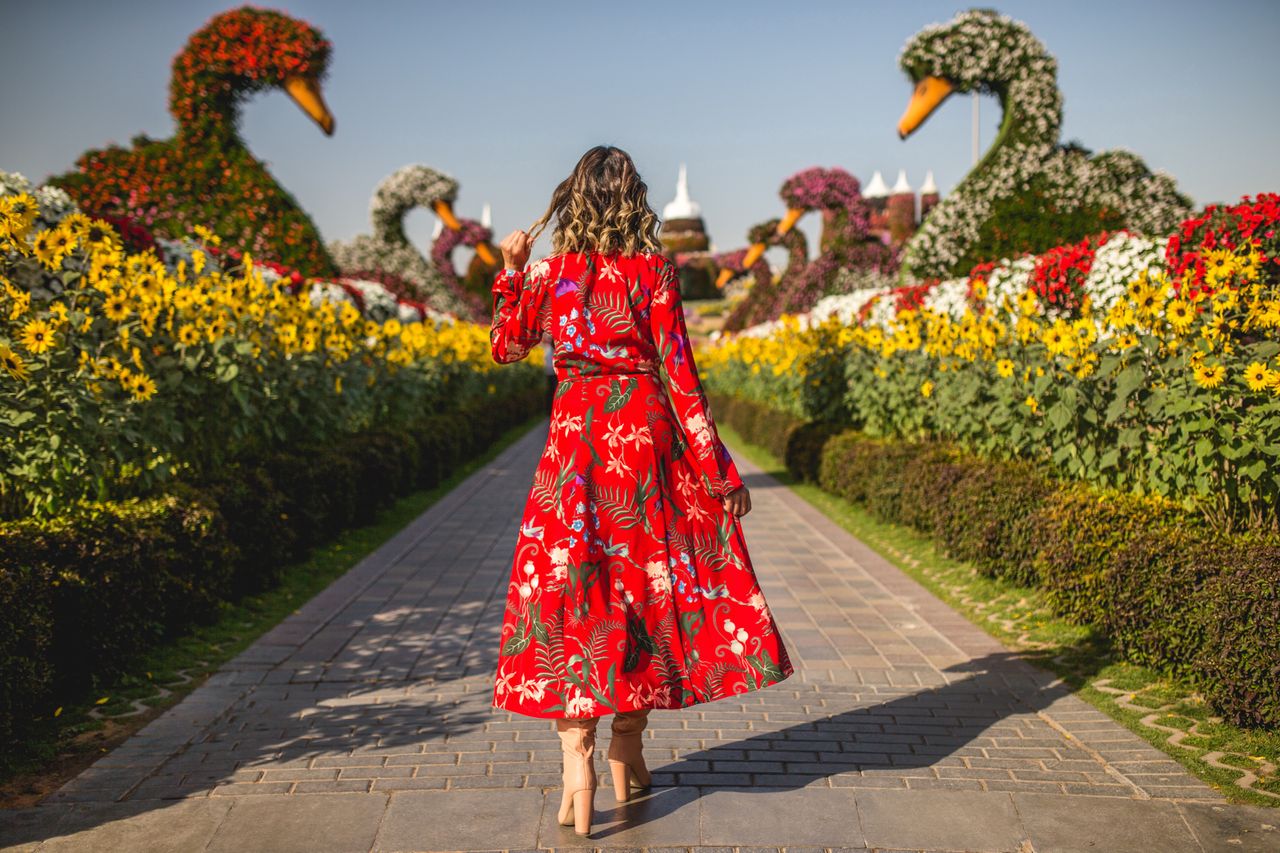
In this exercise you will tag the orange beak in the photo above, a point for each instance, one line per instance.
(445, 211)
(723, 278)
(929, 94)
(789, 221)
(486, 254)
(305, 92)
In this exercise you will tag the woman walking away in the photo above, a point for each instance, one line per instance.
(631, 587)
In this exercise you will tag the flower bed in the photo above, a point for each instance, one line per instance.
(1101, 358)
(122, 370)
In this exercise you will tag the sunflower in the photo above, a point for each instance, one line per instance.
(1219, 264)
(1127, 341)
(1258, 376)
(926, 389)
(1032, 403)
(116, 306)
(1004, 367)
(63, 241)
(1027, 303)
(1209, 376)
(37, 337)
(1179, 315)
(46, 251)
(141, 386)
(188, 335)
(11, 363)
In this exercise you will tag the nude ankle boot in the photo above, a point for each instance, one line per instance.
(578, 742)
(626, 761)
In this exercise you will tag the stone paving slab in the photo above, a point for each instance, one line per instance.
(362, 722)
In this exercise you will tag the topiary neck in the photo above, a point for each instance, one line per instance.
(388, 222)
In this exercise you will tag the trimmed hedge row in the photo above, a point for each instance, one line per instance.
(1167, 591)
(83, 594)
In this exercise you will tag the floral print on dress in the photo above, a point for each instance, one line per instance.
(631, 586)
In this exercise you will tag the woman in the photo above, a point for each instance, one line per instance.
(631, 587)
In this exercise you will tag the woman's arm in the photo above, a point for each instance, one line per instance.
(519, 307)
(684, 387)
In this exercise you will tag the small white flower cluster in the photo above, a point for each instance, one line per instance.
(950, 297)
(1119, 261)
(388, 249)
(1009, 278)
(845, 306)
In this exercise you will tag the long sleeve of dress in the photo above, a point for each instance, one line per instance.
(519, 306)
(684, 386)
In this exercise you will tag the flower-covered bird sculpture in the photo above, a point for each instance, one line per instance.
(388, 249)
(1028, 193)
(846, 243)
(205, 175)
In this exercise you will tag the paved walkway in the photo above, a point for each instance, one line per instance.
(363, 723)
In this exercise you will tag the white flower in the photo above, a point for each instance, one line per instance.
(580, 706)
(533, 689)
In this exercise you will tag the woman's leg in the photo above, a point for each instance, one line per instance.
(578, 742)
(626, 758)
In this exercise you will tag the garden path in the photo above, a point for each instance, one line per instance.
(362, 722)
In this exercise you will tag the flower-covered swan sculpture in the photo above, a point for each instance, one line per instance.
(205, 175)
(388, 249)
(846, 243)
(1027, 193)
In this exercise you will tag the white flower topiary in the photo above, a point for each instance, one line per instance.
(994, 54)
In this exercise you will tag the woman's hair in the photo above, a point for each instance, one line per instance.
(602, 206)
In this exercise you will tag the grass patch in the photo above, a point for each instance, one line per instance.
(1155, 707)
(66, 744)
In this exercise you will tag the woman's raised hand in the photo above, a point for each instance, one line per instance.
(515, 249)
(738, 501)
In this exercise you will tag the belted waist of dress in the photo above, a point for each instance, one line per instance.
(612, 375)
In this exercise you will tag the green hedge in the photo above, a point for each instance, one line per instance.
(83, 594)
(1168, 592)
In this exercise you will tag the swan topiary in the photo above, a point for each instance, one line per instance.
(845, 243)
(205, 175)
(1027, 193)
(389, 250)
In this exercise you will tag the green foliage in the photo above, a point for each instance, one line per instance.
(1241, 665)
(1164, 588)
(82, 594)
(1033, 220)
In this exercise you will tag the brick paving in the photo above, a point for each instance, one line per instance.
(362, 722)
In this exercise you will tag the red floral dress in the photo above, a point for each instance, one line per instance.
(631, 585)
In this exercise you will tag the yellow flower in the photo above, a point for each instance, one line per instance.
(1258, 376)
(1027, 303)
(188, 335)
(926, 389)
(980, 290)
(1004, 367)
(11, 363)
(141, 386)
(46, 251)
(1032, 403)
(1209, 377)
(116, 306)
(1219, 264)
(1179, 315)
(37, 337)
(1127, 341)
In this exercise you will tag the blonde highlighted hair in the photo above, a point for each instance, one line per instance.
(602, 206)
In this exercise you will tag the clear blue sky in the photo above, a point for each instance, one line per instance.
(507, 96)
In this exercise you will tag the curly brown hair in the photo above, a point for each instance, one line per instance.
(602, 206)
